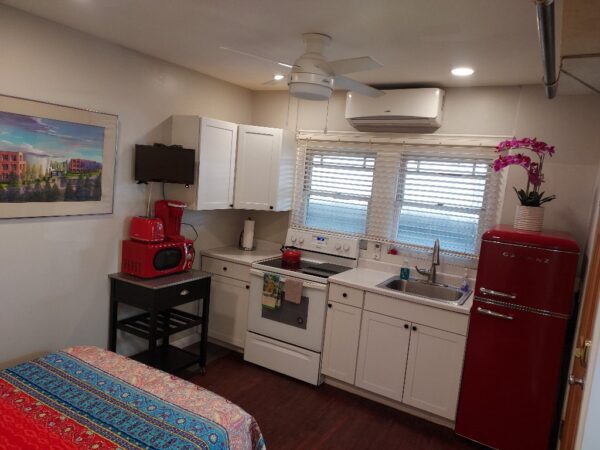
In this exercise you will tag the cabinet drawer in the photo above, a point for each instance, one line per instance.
(182, 293)
(414, 312)
(346, 295)
(226, 268)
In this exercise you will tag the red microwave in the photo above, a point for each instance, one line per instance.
(149, 260)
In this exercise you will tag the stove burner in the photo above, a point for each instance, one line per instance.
(323, 270)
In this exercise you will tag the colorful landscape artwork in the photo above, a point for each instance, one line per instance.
(48, 160)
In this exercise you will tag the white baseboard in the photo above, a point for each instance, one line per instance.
(391, 403)
(186, 341)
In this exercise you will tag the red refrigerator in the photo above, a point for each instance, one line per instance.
(513, 374)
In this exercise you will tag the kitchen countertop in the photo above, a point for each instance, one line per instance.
(264, 250)
(368, 279)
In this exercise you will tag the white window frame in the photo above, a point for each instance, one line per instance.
(383, 209)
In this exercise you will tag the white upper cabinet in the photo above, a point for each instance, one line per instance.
(215, 142)
(264, 169)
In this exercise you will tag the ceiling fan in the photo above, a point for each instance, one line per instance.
(312, 77)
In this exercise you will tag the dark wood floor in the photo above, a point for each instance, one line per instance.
(296, 415)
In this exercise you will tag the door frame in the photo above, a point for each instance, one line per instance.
(589, 328)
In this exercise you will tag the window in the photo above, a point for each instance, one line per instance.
(442, 197)
(337, 190)
(404, 194)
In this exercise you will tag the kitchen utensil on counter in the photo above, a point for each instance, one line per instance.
(246, 241)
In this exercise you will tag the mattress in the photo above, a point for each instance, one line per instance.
(86, 397)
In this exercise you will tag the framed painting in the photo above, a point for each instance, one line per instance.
(55, 160)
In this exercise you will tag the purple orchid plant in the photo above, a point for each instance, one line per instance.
(531, 196)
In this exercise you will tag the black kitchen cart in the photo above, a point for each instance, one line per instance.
(159, 297)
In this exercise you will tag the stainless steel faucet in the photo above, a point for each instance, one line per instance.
(435, 261)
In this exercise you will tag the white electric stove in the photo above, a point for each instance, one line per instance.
(289, 339)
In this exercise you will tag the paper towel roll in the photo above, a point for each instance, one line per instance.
(248, 238)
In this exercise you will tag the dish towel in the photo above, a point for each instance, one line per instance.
(271, 291)
(293, 291)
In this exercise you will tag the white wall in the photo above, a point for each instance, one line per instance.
(53, 284)
(569, 122)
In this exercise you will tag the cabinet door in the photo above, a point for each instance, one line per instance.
(382, 354)
(342, 330)
(433, 372)
(228, 310)
(257, 167)
(216, 167)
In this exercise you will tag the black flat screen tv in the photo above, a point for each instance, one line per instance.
(166, 164)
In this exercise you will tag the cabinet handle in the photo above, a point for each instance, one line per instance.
(231, 205)
(247, 286)
(270, 207)
(414, 328)
(329, 305)
(344, 295)
(184, 292)
(225, 269)
(406, 326)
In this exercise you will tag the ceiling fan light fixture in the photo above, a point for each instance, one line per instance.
(310, 86)
(462, 71)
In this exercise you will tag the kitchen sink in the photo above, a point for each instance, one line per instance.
(422, 288)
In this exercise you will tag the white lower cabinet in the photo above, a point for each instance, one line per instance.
(392, 356)
(342, 330)
(433, 370)
(382, 353)
(228, 314)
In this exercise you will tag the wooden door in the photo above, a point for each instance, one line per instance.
(228, 315)
(583, 341)
(257, 167)
(342, 330)
(435, 360)
(382, 353)
(216, 167)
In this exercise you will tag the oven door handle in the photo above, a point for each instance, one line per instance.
(305, 284)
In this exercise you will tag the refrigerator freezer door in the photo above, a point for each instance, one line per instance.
(510, 378)
(527, 276)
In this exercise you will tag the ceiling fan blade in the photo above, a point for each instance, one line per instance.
(251, 55)
(354, 64)
(272, 82)
(356, 86)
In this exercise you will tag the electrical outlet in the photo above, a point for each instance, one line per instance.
(377, 252)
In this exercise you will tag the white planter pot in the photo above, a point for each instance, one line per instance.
(530, 218)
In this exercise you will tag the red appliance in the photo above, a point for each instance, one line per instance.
(146, 229)
(518, 344)
(170, 212)
(290, 257)
(147, 260)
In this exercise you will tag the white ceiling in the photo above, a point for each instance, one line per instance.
(417, 41)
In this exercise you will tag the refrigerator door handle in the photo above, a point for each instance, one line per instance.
(489, 312)
(497, 293)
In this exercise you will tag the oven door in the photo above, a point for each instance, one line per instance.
(300, 325)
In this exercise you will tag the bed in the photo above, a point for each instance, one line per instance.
(86, 397)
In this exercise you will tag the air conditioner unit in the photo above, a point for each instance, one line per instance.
(399, 110)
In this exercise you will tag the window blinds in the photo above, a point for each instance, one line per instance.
(404, 194)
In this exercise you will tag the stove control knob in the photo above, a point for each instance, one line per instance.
(293, 238)
(301, 240)
(346, 248)
(338, 246)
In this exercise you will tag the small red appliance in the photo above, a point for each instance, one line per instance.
(170, 212)
(290, 256)
(147, 229)
(149, 260)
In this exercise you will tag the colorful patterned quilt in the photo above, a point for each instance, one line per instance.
(86, 397)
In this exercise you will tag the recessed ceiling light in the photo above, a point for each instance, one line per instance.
(462, 71)
(278, 77)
